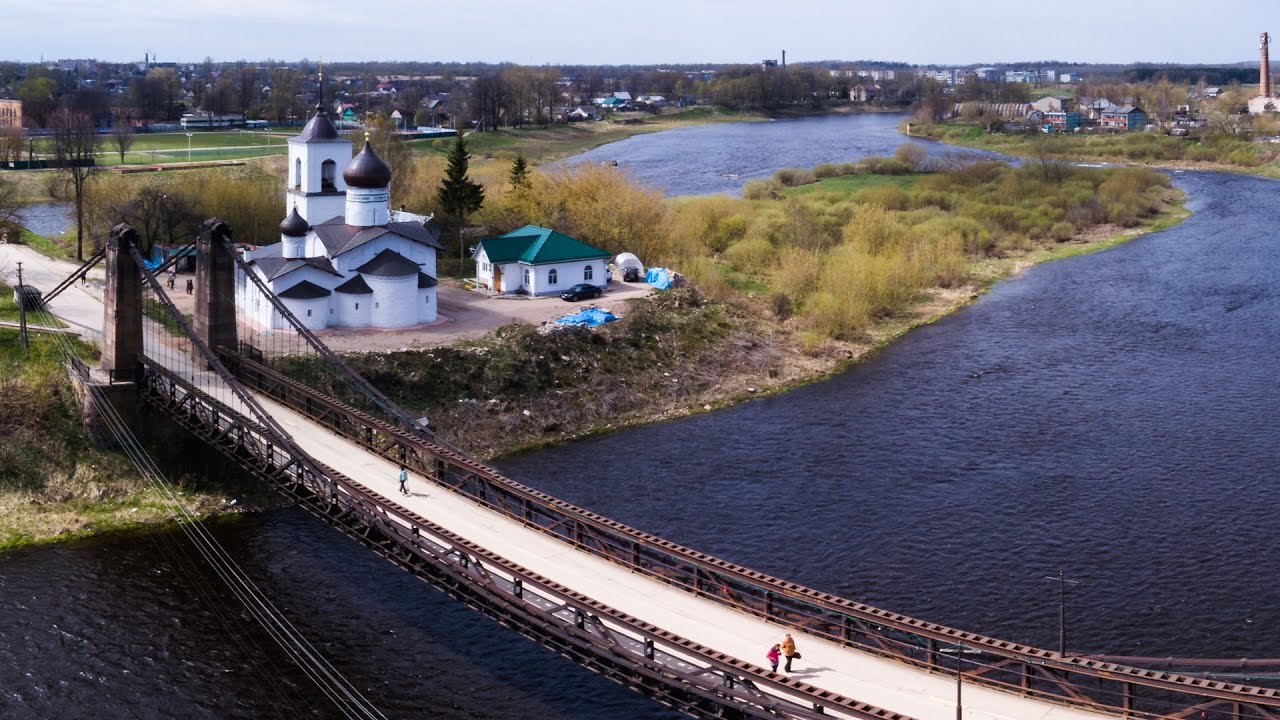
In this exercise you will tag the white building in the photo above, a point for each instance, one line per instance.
(534, 260)
(344, 258)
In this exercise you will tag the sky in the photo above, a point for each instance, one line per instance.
(567, 32)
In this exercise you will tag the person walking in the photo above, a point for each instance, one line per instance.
(172, 277)
(190, 286)
(789, 651)
(404, 478)
(774, 654)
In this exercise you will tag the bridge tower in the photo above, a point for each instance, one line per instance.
(108, 393)
(215, 286)
(122, 306)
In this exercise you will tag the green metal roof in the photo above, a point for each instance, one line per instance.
(534, 245)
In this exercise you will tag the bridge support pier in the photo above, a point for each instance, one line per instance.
(108, 394)
(215, 287)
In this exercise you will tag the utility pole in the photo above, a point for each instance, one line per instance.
(1062, 609)
(959, 684)
(22, 311)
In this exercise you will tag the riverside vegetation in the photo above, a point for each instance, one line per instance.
(809, 270)
(54, 483)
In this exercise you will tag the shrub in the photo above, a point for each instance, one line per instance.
(794, 177)
(767, 189)
(753, 255)
(1062, 231)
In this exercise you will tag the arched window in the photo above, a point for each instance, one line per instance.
(297, 173)
(587, 272)
(526, 277)
(551, 276)
(328, 171)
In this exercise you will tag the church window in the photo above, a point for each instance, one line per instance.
(308, 313)
(328, 170)
(297, 173)
(552, 276)
(587, 272)
(357, 306)
(526, 277)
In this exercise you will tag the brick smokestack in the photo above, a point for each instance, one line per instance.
(1264, 67)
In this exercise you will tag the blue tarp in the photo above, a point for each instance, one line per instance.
(659, 278)
(590, 317)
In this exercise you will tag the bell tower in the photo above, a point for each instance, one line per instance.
(316, 158)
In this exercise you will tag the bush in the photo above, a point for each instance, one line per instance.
(768, 189)
(794, 177)
(753, 255)
(1062, 231)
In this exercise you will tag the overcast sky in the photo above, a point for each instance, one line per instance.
(538, 32)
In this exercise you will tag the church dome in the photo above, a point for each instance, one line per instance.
(367, 170)
(319, 128)
(294, 225)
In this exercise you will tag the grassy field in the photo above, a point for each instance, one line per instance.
(540, 144)
(153, 148)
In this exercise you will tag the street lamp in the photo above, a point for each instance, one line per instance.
(189, 146)
(1062, 609)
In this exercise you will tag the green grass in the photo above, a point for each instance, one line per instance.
(62, 246)
(850, 184)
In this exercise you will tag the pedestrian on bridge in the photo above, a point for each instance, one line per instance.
(789, 651)
(404, 478)
(774, 654)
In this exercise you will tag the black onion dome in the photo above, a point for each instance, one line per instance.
(319, 127)
(367, 170)
(294, 225)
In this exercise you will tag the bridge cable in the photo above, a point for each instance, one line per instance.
(308, 659)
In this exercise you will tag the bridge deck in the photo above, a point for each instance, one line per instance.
(885, 683)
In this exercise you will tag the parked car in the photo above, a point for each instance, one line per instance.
(581, 291)
(631, 275)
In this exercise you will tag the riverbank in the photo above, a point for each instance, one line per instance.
(675, 354)
(1219, 153)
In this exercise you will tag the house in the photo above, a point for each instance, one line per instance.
(1124, 117)
(1052, 104)
(537, 261)
(858, 93)
(580, 113)
(344, 258)
(1062, 122)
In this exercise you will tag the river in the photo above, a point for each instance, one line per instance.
(1108, 415)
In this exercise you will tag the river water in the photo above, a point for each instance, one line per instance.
(1111, 416)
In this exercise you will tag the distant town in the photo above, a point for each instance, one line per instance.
(151, 95)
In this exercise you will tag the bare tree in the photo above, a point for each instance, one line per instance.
(122, 137)
(75, 142)
(12, 200)
(158, 217)
(12, 144)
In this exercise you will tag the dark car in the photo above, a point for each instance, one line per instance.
(631, 275)
(581, 291)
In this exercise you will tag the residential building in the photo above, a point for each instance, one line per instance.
(1124, 117)
(10, 113)
(1063, 122)
(534, 260)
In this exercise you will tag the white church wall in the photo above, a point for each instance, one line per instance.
(426, 305)
(313, 313)
(395, 300)
(353, 310)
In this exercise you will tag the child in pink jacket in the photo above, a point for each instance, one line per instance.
(774, 654)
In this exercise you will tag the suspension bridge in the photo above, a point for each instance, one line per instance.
(683, 627)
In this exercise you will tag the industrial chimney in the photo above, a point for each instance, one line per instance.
(1264, 68)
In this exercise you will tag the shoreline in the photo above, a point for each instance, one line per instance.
(838, 357)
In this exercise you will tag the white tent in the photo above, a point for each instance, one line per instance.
(628, 260)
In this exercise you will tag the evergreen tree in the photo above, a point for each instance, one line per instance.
(519, 174)
(459, 196)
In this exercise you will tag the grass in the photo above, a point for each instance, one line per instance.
(850, 184)
(541, 144)
(63, 246)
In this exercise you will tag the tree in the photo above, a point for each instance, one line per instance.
(122, 137)
(519, 174)
(158, 217)
(12, 200)
(12, 144)
(458, 195)
(75, 142)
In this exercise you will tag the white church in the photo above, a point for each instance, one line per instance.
(344, 258)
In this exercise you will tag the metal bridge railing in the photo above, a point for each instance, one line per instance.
(1015, 667)
(675, 670)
